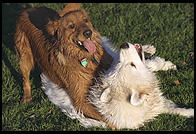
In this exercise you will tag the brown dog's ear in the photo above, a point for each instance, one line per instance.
(70, 7)
(51, 27)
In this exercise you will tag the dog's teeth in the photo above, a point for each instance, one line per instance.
(80, 43)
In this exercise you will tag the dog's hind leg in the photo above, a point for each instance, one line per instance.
(170, 107)
(26, 62)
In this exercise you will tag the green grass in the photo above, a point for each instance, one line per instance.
(169, 27)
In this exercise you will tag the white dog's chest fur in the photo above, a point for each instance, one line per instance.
(122, 114)
(117, 109)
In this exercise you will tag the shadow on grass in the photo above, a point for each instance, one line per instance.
(10, 12)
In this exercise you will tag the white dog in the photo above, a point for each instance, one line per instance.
(128, 94)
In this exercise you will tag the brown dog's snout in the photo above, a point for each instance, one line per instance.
(87, 33)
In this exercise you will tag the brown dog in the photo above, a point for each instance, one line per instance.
(66, 48)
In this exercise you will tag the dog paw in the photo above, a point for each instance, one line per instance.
(26, 99)
(165, 65)
(149, 49)
(189, 112)
(158, 63)
(169, 65)
(110, 125)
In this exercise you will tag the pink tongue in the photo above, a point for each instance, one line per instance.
(90, 46)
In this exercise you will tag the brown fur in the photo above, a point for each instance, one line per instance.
(45, 37)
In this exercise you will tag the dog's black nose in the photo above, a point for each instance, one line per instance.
(124, 46)
(87, 33)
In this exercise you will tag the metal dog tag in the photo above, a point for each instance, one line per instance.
(84, 62)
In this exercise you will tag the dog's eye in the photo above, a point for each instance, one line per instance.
(132, 64)
(72, 26)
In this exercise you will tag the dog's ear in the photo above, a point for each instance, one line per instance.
(137, 98)
(51, 27)
(105, 96)
(70, 7)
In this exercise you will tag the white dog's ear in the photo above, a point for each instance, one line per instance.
(105, 96)
(136, 99)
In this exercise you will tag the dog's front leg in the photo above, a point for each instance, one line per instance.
(150, 49)
(158, 63)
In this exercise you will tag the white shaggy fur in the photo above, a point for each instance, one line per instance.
(61, 99)
(128, 97)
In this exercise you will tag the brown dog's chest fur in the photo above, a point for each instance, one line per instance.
(61, 64)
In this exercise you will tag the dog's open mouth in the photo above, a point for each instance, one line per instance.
(87, 44)
(138, 47)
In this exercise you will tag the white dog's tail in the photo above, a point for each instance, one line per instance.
(170, 107)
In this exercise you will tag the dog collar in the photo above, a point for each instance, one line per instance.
(84, 61)
(94, 60)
